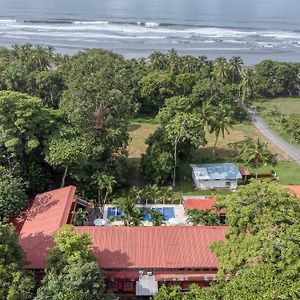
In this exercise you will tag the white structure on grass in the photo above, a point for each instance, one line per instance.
(216, 176)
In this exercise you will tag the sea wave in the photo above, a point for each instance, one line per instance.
(145, 26)
(148, 31)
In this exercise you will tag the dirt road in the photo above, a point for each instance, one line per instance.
(289, 149)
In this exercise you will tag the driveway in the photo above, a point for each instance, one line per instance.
(289, 149)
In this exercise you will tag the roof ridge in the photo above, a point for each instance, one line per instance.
(68, 204)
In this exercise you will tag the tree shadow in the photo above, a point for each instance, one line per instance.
(41, 204)
(108, 259)
(38, 205)
(35, 246)
(205, 155)
(136, 179)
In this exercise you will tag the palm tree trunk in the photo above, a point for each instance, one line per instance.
(215, 146)
(175, 161)
(102, 204)
(64, 177)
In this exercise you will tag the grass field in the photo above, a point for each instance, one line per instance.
(284, 106)
(290, 105)
(138, 132)
(237, 133)
(141, 129)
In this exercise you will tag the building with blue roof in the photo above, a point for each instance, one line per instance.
(216, 176)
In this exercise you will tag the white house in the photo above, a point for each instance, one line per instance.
(216, 176)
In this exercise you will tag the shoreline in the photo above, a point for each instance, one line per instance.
(250, 58)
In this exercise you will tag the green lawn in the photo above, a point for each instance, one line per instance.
(284, 106)
(139, 131)
(288, 172)
(289, 105)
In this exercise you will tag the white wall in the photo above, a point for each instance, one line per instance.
(216, 184)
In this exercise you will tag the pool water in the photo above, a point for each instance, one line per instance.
(168, 213)
(113, 212)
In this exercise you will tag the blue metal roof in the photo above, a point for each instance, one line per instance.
(216, 171)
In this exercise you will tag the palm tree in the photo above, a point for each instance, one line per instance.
(184, 127)
(203, 61)
(154, 194)
(190, 64)
(22, 52)
(221, 69)
(206, 111)
(131, 214)
(13, 77)
(235, 67)
(220, 121)
(105, 184)
(256, 154)
(246, 87)
(157, 61)
(149, 194)
(157, 217)
(173, 61)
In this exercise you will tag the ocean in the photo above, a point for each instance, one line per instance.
(252, 29)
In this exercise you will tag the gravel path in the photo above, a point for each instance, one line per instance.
(289, 149)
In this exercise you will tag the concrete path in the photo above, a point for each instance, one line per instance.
(289, 149)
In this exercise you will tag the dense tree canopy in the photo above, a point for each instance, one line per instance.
(33, 70)
(263, 236)
(12, 194)
(98, 105)
(15, 282)
(203, 217)
(24, 126)
(175, 293)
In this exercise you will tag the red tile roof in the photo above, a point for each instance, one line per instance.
(161, 247)
(201, 204)
(47, 214)
(295, 189)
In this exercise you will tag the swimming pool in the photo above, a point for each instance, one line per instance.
(113, 212)
(168, 213)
